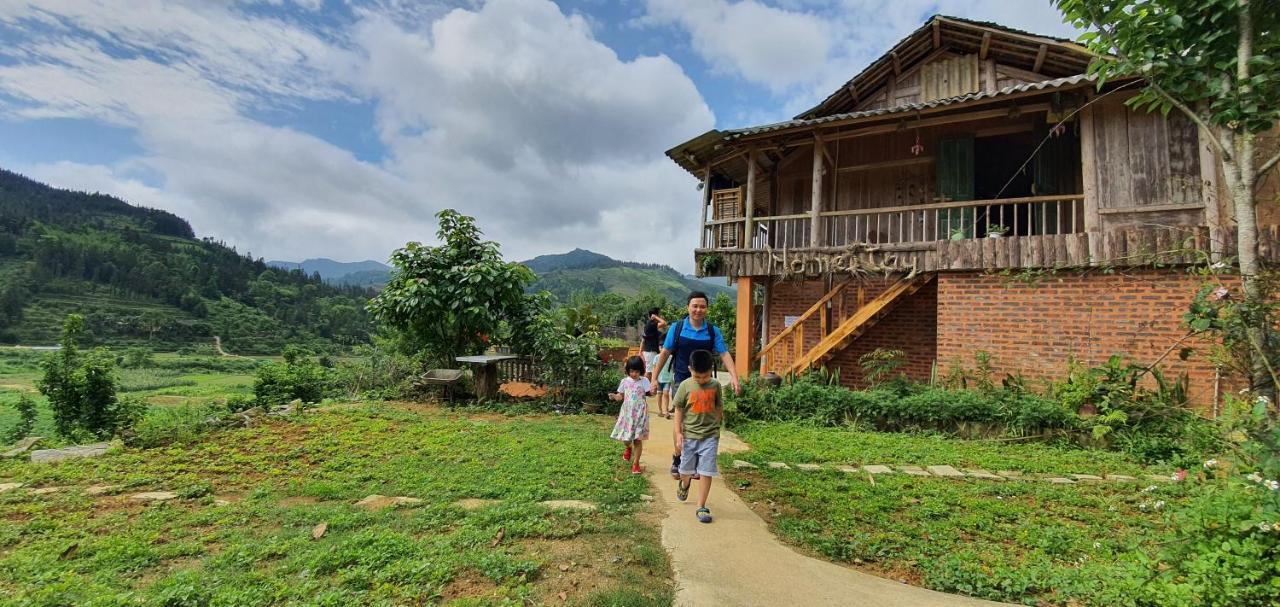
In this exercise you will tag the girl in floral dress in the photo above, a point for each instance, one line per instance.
(633, 418)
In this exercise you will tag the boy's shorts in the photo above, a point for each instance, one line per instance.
(699, 456)
(663, 386)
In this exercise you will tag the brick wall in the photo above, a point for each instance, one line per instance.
(909, 327)
(1036, 329)
(1029, 329)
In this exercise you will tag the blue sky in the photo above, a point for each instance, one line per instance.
(335, 128)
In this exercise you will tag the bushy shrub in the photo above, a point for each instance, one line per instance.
(1224, 547)
(81, 389)
(26, 407)
(379, 372)
(899, 406)
(299, 377)
(172, 425)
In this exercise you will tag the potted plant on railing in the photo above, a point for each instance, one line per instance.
(996, 231)
(710, 264)
(959, 233)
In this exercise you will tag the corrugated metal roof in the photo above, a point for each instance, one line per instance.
(694, 153)
(911, 107)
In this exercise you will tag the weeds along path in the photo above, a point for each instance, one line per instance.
(735, 560)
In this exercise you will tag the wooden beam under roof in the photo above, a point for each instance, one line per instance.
(1044, 51)
(986, 45)
(937, 34)
(897, 65)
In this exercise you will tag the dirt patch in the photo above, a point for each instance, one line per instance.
(469, 584)
(297, 500)
(522, 390)
(165, 400)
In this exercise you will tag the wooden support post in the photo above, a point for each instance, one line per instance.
(815, 227)
(1209, 188)
(744, 330)
(751, 199)
(986, 46)
(937, 34)
(706, 207)
(764, 324)
(1089, 171)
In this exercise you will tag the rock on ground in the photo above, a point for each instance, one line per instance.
(45, 456)
(378, 502)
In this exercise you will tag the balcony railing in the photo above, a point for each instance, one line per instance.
(1030, 216)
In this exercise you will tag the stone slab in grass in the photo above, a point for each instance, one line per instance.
(809, 467)
(378, 502)
(9, 486)
(22, 446)
(877, 469)
(737, 463)
(1086, 477)
(473, 503)
(914, 470)
(1010, 473)
(154, 496)
(848, 469)
(1058, 480)
(946, 471)
(777, 465)
(569, 505)
(100, 489)
(1120, 477)
(47, 490)
(48, 456)
(983, 474)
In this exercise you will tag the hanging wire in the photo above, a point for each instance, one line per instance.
(1055, 127)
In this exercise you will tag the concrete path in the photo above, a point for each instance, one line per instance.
(735, 560)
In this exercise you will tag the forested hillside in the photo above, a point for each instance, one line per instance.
(581, 270)
(140, 277)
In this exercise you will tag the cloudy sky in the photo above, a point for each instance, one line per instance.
(336, 128)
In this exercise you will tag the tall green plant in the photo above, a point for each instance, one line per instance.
(451, 298)
(81, 388)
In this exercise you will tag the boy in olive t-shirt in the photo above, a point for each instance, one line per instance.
(699, 410)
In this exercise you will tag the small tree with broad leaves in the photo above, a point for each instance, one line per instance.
(450, 299)
(1217, 62)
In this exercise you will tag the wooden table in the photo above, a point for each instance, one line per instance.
(484, 369)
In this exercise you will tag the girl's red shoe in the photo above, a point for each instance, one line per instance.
(636, 470)
(626, 453)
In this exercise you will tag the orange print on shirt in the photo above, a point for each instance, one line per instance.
(702, 401)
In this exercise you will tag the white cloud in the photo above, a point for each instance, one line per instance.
(512, 112)
(802, 50)
(774, 47)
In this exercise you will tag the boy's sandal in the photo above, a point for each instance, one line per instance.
(682, 491)
(704, 515)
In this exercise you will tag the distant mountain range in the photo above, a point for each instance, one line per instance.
(368, 273)
(562, 274)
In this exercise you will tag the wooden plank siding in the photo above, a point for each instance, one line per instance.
(1143, 160)
(1128, 247)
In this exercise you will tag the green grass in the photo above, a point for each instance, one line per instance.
(1025, 542)
(282, 478)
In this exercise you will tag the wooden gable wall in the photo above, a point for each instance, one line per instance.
(947, 74)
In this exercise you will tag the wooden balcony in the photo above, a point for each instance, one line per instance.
(1038, 232)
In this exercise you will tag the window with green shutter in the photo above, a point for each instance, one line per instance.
(954, 163)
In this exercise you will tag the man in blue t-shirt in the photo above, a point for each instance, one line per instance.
(690, 334)
(685, 337)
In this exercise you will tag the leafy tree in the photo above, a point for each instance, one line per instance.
(26, 408)
(1217, 62)
(299, 378)
(449, 299)
(81, 388)
(723, 313)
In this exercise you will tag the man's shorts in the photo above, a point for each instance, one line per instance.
(699, 456)
(649, 359)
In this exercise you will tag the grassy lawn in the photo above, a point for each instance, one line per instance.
(241, 532)
(1026, 542)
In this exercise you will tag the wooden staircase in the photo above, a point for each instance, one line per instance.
(793, 358)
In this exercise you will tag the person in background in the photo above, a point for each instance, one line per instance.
(650, 339)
